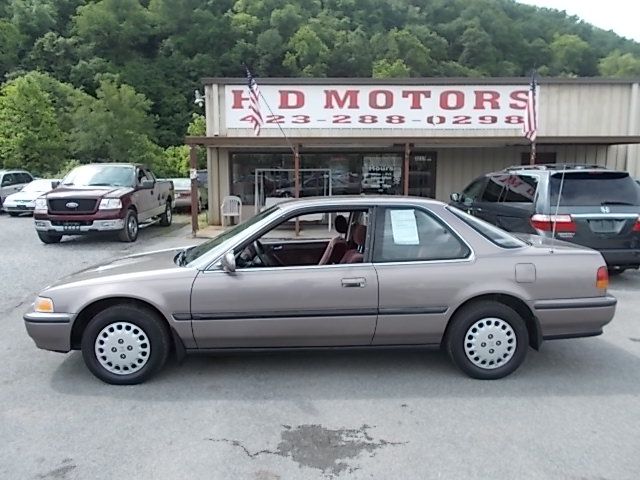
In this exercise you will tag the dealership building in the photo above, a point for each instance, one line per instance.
(428, 136)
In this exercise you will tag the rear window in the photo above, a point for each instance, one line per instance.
(594, 188)
(490, 232)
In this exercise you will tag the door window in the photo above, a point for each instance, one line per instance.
(473, 191)
(312, 238)
(409, 234)
(8, 180)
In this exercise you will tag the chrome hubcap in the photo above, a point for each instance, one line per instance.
(122, 348)
(490, 343)
(133, 226)
(169, 214)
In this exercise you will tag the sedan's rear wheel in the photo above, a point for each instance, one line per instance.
(125, 345)
(487, 340)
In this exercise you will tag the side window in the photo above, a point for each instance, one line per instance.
(312, 238)
(520, 189)
(24, 178)
(495, 188)
(8, 180)
(141, 176)
(409, 234)
(473, 191)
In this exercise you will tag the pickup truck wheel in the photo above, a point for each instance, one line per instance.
(487, 340)
(49, 237)
(125, 344)
(167, 216)
(130, 231)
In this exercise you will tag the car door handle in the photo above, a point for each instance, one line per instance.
(354, 282)
(276, 248)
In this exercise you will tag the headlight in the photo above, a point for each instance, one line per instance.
(110, 204)
(41, 205)
(43, 305)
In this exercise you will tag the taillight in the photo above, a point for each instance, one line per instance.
(636, 226)
(564, 223)
(602, 278)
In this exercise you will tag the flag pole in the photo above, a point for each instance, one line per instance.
(534, 115)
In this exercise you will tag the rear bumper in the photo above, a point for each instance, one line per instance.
(110, 225)
(50, 331)
(622, 257)
(574, 317)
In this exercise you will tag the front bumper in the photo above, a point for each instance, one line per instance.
(574, 317)
(18, 207)
(50, 331)
(85, 226)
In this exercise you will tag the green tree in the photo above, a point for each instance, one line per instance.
(618, 64)
(386, 69)
(9, 44)
(115, 126)
(31, 137)
(568, 54)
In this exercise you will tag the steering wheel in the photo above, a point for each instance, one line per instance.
(266, 259)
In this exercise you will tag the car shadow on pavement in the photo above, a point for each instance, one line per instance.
(562, 368)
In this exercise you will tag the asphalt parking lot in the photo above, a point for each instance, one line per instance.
(570, 412)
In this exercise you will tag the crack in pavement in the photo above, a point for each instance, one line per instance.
(315, 446)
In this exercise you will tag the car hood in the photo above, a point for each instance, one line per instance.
(125, 268)
(28, 196)
(88, 192)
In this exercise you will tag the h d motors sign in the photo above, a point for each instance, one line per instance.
(381, 107)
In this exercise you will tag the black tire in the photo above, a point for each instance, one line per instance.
(167, 217)
(131, 228)
(13, 214)
(135, 326)
(49, 237)
(496, 324)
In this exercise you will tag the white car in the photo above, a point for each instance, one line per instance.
(24, 201)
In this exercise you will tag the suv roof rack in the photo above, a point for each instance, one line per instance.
(557, 166)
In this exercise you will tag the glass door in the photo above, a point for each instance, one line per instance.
(422, 174)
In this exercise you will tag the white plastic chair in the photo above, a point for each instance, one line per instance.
(231, 207)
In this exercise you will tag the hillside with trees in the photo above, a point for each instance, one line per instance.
(113, 80)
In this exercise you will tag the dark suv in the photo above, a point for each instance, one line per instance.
(597, 207)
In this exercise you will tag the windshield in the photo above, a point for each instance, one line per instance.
(181, 183)
(594, 188)
(100, 175)
(38, 186)
(492, 233)
(195, 252)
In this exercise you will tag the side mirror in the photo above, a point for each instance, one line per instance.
(229, 262)
(147, 184)
(54, 184)
(455, 197)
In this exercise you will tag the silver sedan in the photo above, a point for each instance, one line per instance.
(350, 272)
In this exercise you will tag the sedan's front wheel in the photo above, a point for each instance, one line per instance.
(487, 340)
(125, 344)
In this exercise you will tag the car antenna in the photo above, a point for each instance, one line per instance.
(555, 217)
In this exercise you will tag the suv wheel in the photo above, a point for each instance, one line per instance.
(167, 216)
(125, 345)
(130, 231)
(487, 340)
(49, 237)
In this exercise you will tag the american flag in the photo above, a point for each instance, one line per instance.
(254, 104)
(530, 126)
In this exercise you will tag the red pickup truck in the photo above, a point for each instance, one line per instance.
(104, 197)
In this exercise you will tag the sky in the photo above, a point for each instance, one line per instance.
(621, 16)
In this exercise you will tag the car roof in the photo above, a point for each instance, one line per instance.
(551, 168)
(356, 200)
(17, 170)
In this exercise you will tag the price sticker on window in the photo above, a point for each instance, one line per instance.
(404, 227)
